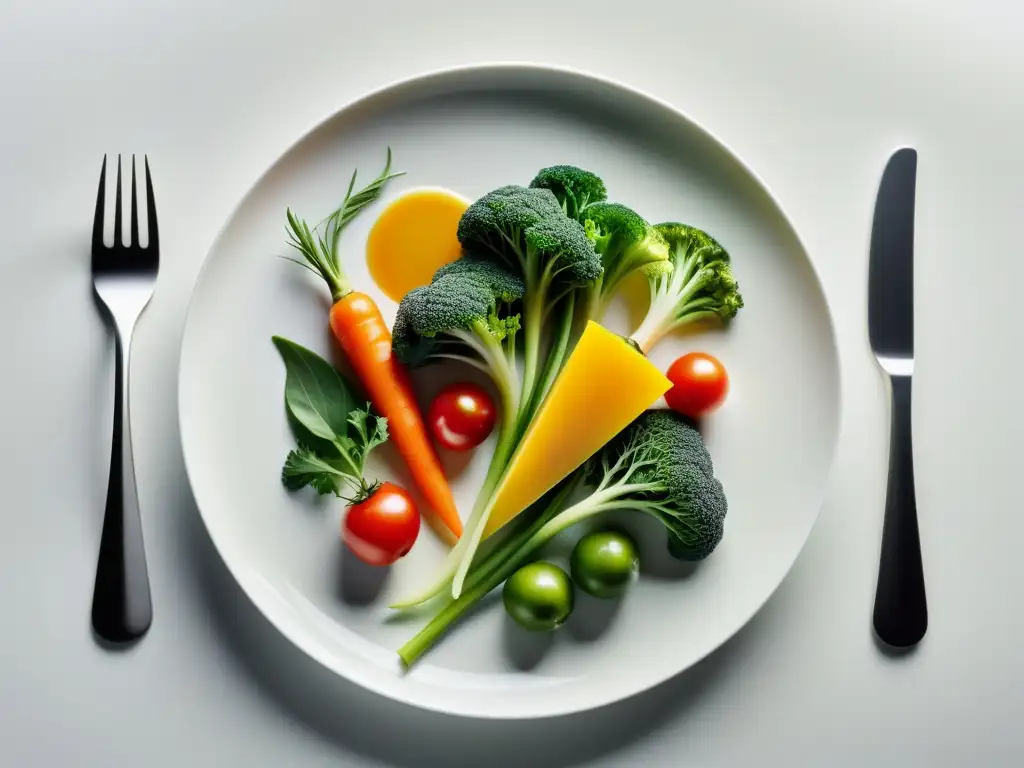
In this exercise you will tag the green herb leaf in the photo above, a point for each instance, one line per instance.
(380, 434)
(365, 437)
(319, 246)
(315, 393)
(348, 446)
(357, 420)
(303, 467)
(324, 448)
(354, 203)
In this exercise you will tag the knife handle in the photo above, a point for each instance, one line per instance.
(901, 611)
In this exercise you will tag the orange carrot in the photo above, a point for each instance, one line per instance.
(360, 329)
(366, 340)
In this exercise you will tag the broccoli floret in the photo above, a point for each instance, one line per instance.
(574, 187)
(507, 287)
(680, 437)
(625, 242)
(464, 314)
(696, 519)
(658, 465)
(526, 231)
(621, 237)
(701, 285)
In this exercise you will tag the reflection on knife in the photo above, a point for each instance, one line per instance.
(901, 611)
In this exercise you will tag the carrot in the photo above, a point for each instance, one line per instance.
(360, 329)
(366, 340)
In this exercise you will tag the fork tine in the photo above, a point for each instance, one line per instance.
(134, 242)
(118, 241)
(97, 222)
(154, 239)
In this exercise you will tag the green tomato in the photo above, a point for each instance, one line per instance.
(604, 563)
(538, 597)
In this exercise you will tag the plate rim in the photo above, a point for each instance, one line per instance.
(482, 69)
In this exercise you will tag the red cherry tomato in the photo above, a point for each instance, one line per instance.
(699, 384)
(382, 528)
(462, 416)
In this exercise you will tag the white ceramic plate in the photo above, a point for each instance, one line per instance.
(471, 130)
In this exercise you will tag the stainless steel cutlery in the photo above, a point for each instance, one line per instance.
(901, 611)
(124, 275)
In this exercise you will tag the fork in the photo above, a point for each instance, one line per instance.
(124, 276)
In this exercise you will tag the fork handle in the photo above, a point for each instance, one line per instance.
(121, 607)
(901, 610)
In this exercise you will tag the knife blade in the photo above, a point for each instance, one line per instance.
(901, 611)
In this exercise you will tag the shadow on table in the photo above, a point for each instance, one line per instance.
(400, 735)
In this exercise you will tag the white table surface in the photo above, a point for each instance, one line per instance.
(813, 94)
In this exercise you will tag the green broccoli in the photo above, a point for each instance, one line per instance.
(621, 237)
(506, 285)
(658, 465)
(464, 314)
(625, 242)
(526, 231)
(574, 187)
(701, 285)
(523, 231)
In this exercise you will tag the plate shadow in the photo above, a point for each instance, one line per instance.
(344, 714)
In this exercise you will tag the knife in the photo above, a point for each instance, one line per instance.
(901, 610)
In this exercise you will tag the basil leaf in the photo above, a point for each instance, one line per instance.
(303, 436)
(314, 391)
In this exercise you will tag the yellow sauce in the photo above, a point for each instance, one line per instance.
(412, 238)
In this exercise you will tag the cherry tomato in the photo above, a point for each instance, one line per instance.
(699, 384)
(382, 528)
(462, 416)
